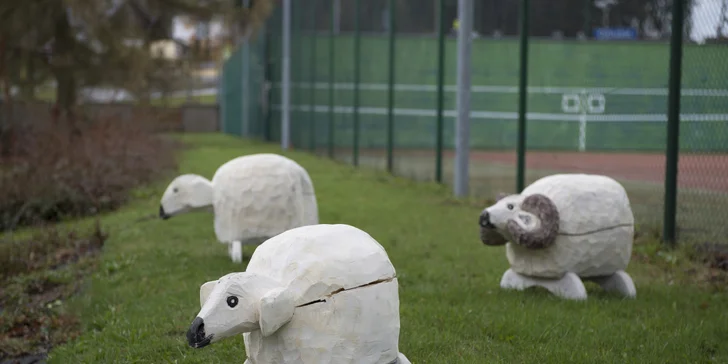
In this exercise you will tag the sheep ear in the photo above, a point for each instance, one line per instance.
(276, 309)
(543, 236)
(491, 237)
(205, 291)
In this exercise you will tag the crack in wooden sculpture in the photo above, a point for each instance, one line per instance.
(322, 300)
(596, 231)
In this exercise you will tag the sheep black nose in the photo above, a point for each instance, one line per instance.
(162, 214)
(484, 220)
(196, 333)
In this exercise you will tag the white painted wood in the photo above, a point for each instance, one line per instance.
(313, 294)
(561, 224)
(253, 197)
(569, 286)
(619, 282)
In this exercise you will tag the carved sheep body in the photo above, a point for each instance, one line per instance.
(313, 294)
(254, 197)
(564, 223)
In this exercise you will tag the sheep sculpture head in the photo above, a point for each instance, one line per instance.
(185, 193)
(238, 303)
(530, 221)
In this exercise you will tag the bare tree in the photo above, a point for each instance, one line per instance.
(80, 43)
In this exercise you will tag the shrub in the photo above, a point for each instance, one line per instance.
(37, 275)
(55, 171)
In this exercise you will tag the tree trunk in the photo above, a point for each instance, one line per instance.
(66, 92)
(63, 66)
(27, 89)
(5, 114)
(3, 76)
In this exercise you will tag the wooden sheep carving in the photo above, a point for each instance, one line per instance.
(561, 229)
(254, 197)
(313, 294)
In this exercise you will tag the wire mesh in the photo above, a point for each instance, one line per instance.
(612, 111)
(596, 97)
(494, 94)
(232, 94)
(703, 165)
(597, 105)
(274, 41)
(415, 89)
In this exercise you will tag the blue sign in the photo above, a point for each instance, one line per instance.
(615, 33)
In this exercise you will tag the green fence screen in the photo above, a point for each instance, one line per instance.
(569, 105)
(243, 96)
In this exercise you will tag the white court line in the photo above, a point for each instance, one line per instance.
(514, 89)
(513, 115)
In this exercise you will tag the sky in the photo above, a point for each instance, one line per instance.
(183, 33)
(706, 16)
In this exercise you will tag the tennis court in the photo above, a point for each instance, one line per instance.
(593, 107)
(614, 131)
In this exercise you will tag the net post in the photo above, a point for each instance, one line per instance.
(357, 75)
(522, 97)
(462, 129)
(673, 123)
(332, 34)
(286, 77)
(312, 84)
(390, 87)
(440, 88)
(269, 76)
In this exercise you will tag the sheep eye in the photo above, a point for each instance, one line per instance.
(510, 206)
(174, 190)
(232, 301)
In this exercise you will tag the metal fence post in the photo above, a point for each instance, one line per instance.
(522, 97)
(673, 122)
(296, 65)
(312, 111)
(286, 77)
(331, 81)
(357, 75)
(221, 96)
(390, 96)
(337, 16)
(587, 17)
(462, 144)
(440, 88)
(245, 84)
(269, 79)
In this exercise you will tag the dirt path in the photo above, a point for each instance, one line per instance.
(709, 172)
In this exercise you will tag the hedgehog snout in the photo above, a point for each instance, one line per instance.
(484, 220)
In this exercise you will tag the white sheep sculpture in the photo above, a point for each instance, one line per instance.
(315, 294)
(253, 197)
(561, 229)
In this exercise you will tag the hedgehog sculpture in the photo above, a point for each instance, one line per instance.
(561, 229)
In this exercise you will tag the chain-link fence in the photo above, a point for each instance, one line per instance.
(368, 78)
(243, 90)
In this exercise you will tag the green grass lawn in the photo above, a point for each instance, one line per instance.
(139, 305)
(181, 100)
